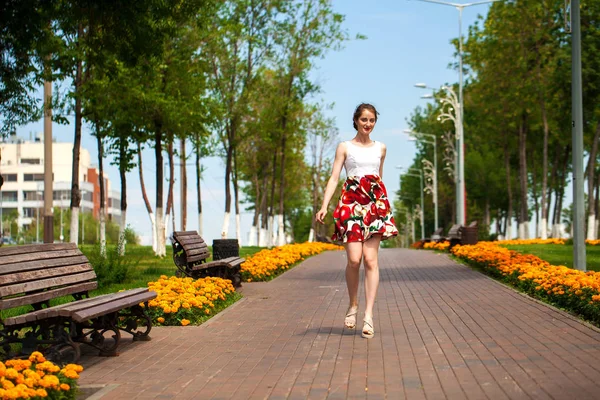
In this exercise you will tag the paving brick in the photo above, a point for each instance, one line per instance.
(443, 331)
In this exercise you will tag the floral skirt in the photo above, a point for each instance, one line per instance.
(363, 211)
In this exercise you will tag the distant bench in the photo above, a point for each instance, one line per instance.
(459, 234)
(32, 275)
(190, 253)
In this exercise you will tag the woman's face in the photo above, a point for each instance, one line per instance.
(366, 122)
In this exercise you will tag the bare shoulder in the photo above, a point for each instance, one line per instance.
(383, 148)
(342, 149)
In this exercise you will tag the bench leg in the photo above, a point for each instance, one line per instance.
(136, 321)
(93, 333)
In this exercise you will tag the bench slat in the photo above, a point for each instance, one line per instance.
(46, 283)
(43, 273)
(230, 262)
(65, 310)
(38, 256)
(197, 257)
(192, 241)
(39, 264)
(36, 248)
(116, 305)
(47, 295)
(185, 233)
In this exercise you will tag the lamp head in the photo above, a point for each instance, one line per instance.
(427, 96)
(421, 85)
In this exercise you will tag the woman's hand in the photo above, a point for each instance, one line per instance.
(320, 216)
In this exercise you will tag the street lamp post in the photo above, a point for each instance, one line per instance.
(450, 105)
(62, 198)
(37, 217)
(432, 170)
(420, 175)
(460, 196)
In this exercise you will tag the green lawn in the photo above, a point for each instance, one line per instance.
(557, 254)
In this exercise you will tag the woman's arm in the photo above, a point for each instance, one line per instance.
(383, 152)
(338, 162)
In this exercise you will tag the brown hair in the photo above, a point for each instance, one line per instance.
(359, 110)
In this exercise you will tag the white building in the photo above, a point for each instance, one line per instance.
(22, 167)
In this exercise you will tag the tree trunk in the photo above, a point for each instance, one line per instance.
(591, 167)
(198, 179)
(263, 235)
(238, 220)
(75, 192)
(597, 190)
(183, 186)
(508, 229)
(536, 204)
(550, 188)
(270, 241)
(523, 217)
(253, 236)
(281, 240)
(145, 197)
(122, 172)
(557, 228)
(102, 189)
(170, 209)
(161, 250)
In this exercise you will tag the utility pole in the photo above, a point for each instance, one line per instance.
(579, 261)
(48, 188)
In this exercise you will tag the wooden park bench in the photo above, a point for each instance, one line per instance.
(33, 275)
(436, 236)
(459, 234)
(190, 252)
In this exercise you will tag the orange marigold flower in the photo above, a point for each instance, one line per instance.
(185, 322)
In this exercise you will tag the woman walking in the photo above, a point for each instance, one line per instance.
(363, 216)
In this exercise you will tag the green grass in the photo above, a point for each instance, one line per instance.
(557, 254)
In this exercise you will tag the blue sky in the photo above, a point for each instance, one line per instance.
(407, 42)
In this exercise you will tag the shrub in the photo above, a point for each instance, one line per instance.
(113, 268)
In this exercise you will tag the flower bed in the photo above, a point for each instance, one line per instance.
(443, 245)
(36, 378)
(573, 290)
(267, 264)
(184, 301)
(530, 241)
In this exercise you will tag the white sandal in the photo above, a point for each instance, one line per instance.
(368, 332)
(350, 321)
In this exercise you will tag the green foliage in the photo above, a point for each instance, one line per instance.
(113, 268)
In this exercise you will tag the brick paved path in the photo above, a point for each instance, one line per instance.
(442, 331)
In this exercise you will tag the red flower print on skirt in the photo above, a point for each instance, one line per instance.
(363, 211)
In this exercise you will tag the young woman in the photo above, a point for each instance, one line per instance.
(363, 216)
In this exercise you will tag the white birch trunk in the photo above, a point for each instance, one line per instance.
(200, 230)
(262, 238)
(153, 224)
(102, 232)
(74, 232)
(122, 228)
(523, 230)
(544, 229)
(252, 236)
(270, 233)
(160, 233)
(596, 227)
(591, 227)
(225, 229)
(280, 231)
(508, 231)
(238, 229)
(163, 236)
(311, 235)
(556, 231)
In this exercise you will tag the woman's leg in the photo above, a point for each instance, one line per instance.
(354, 253)
(370, 253)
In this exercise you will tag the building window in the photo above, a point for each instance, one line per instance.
(29, 212)
(33, 161)
(9, 195)
(61, 195)
(32, 195)
(33, 177)
(116, 203)
(10, 177)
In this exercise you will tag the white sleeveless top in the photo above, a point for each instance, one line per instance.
(361, 161)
